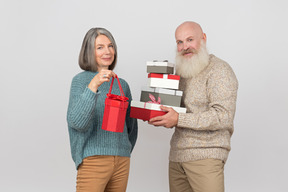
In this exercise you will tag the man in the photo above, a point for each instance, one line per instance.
(201, 142)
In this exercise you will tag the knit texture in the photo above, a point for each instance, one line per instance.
(205, 130)
(84, 117)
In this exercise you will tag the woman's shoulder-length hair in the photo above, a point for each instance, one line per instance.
(87, 59)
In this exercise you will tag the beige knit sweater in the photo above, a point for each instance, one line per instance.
(205, 130)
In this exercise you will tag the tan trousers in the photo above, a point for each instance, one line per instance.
(197, 176)
(103, 174)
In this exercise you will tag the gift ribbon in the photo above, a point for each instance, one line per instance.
(160, 61)
(117, 97)
(163, 76)
(153, 100)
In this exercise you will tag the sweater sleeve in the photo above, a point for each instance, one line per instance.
(82, 102)
(222, 86)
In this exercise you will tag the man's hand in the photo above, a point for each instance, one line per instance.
(169, 120)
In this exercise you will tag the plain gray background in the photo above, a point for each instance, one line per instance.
(40, 42)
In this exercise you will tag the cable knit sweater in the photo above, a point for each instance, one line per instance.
(205, 130)
(84, 117)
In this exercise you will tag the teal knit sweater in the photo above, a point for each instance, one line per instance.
(84, 117)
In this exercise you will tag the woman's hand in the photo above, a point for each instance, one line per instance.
(103, 76)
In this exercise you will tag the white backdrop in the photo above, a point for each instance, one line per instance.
(40, 42)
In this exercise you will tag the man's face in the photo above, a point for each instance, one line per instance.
(188, 39)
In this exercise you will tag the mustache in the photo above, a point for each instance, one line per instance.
(188, 51)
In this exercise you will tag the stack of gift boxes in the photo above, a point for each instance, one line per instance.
(162, 89)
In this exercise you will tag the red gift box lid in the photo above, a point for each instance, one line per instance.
(165, 76)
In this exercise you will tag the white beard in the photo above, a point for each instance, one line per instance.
(190, 67)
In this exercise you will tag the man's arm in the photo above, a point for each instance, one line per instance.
(222, 92)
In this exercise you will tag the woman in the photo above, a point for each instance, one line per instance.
(102, 158)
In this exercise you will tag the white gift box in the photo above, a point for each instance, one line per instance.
(163, 80)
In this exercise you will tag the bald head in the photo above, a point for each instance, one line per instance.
(189, 35)
(189, 26)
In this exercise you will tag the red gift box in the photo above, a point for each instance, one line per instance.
(145, 111)
(115, 110)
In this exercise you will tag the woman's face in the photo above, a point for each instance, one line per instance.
(104, 52)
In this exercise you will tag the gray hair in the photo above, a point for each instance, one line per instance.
(87, 59)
